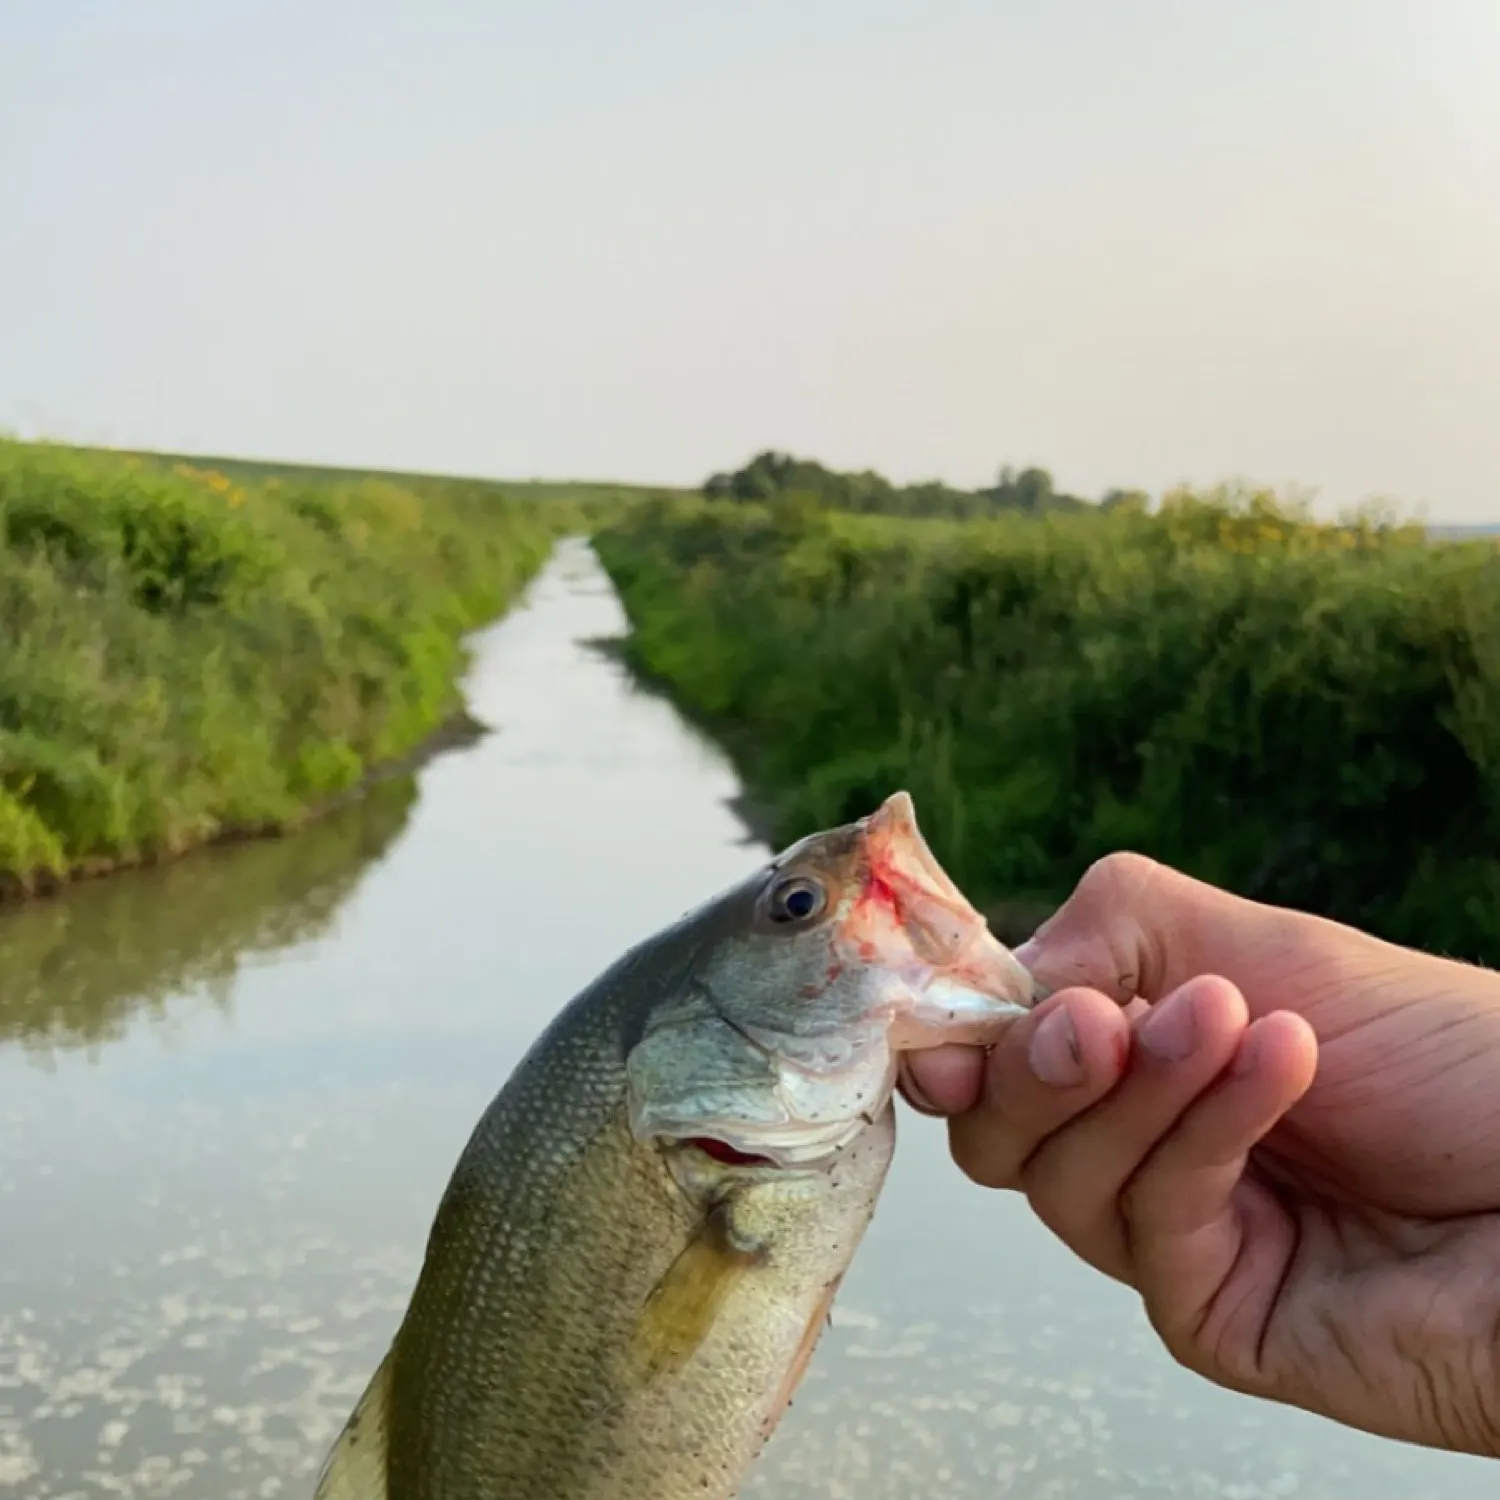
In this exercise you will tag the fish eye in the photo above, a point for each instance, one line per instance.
(797, 899)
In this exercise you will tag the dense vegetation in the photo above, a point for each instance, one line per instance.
(1306, 713)
(185, 655)
(803, 483)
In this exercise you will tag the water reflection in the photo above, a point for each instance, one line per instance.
(73, 971)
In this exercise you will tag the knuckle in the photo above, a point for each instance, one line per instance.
(1182, 1335)
(1070, 1186)
(1080, 1224)
(1116, 876)
(985, 1170)
(1048, 1176)
(1115, 903)
(1136, 1197)
(992, 1176)
(1176, 1339)
(988, 1159)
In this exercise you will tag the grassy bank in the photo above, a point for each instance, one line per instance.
(186, 655)
(1305, 713)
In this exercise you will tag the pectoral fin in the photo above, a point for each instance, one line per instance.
(355, 1467)
(684, 1304)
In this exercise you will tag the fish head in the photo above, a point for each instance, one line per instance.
(849, 947)
(861, 925)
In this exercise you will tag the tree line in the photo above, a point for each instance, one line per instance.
(773, 476)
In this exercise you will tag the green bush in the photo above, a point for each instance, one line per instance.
(1306, 713)
(185, 655)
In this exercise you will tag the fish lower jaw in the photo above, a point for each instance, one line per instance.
(813, 1152)
(937, 1007)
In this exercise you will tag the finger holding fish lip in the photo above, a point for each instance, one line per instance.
(1050, 1068)
(1027, 1049)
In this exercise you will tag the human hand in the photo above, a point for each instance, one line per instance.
(1283, 1133)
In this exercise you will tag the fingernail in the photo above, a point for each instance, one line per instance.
(1055, 1055)
(1170, 1029)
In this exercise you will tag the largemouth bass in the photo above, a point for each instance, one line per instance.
(640, 1244)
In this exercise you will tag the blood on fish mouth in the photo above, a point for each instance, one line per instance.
(722, 1151)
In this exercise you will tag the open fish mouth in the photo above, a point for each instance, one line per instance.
(792, 1145)
(729, 1156)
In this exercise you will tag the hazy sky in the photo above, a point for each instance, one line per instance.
(1131, 240)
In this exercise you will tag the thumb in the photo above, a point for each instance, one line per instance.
(1133, 927)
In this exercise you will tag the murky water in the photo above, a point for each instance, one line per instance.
(231, 1093)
